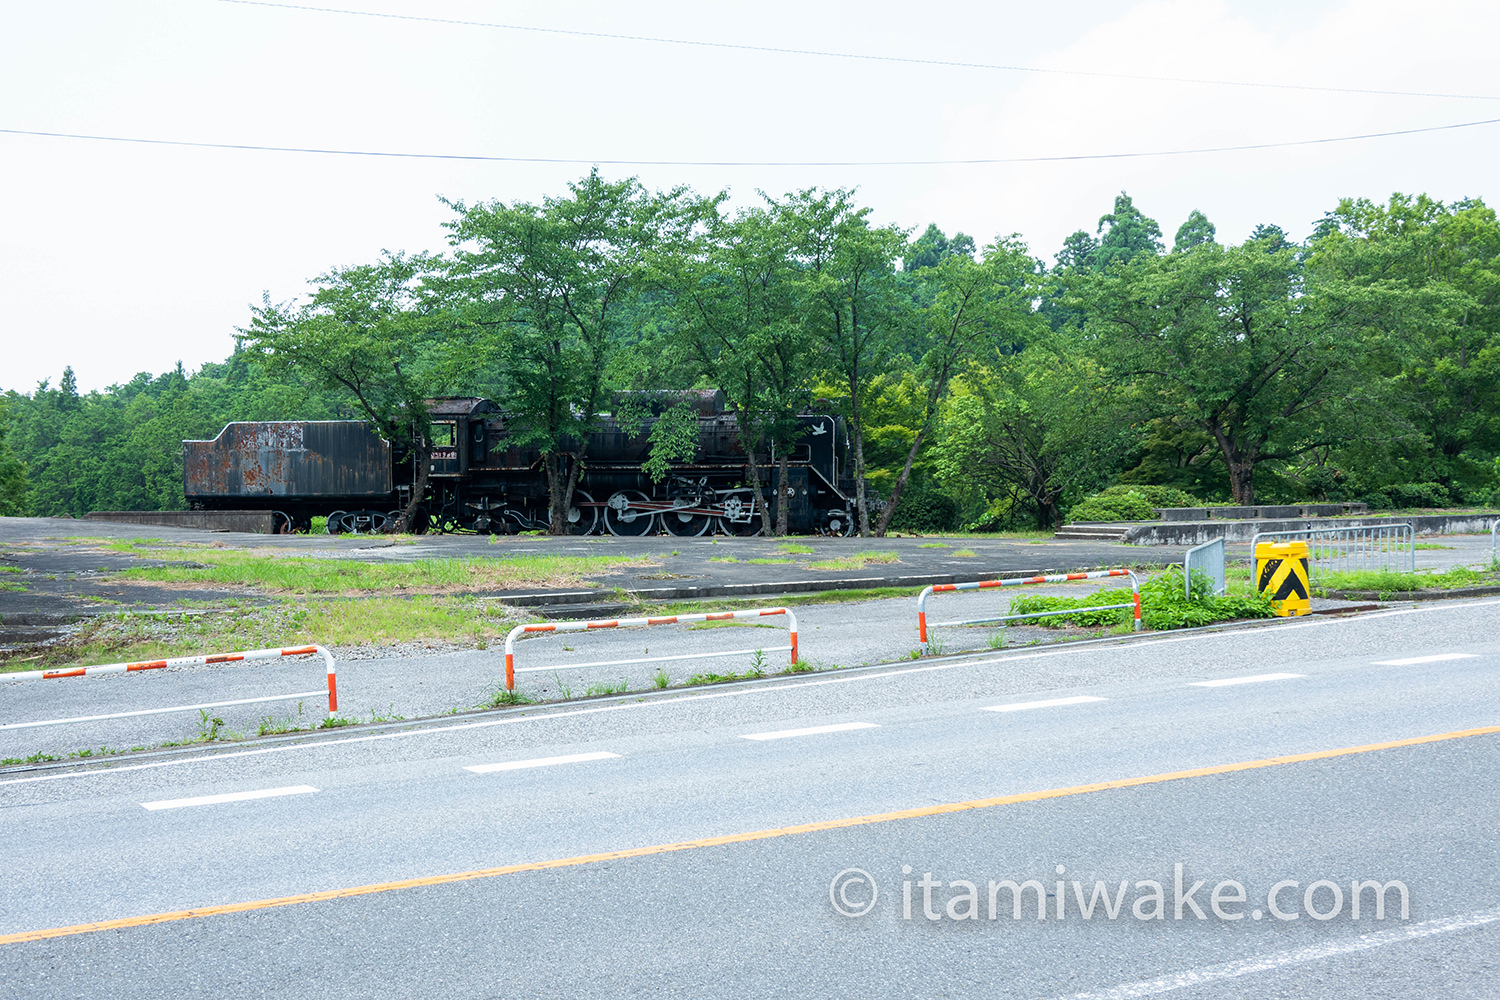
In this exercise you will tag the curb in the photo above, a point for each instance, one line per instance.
(1408, 595)
(612, 595)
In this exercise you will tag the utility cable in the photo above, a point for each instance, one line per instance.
(984, 161)
(905, 60)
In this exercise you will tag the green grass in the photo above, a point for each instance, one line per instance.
(1429, 546)
(505, 696)
(858, 560)
(599, 688)
(279, 573)
(795, 549)
(963, 553)
(934, 545)
(748, 675)
(1390, 581)
(325, 621)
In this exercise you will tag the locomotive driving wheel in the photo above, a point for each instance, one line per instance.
(623, 516)
(685, 523)
(740, 517)
(583, 516)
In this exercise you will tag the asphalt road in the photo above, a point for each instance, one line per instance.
(656, 846)
(424, 683)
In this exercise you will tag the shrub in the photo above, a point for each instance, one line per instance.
(1164, 605)
(1120, 507)
(1156, 496)
(923, 508)
(1411, 495)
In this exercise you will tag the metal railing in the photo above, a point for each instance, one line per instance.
(1208, 559)
(1353, 548)
(180, 661)
(945, 588)
(590, 626)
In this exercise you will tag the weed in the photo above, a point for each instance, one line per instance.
(723, 559)
(336, 722)
(272, 725)
(279, 573)
(563, 690)
(936, 647)
(934, 545)
(800, 667)
(1390, 581)
(697, 679)
(508, 696)
(962, 553)
(857, 561)
(208, 728)
(794, 549)
(996, 638)
(603, 688)
(758, 663)
(662, 679)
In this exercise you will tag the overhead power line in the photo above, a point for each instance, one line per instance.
(866, 57)
(618, 162)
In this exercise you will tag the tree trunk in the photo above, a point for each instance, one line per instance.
(422, 456)
(554, 488)
(1241, 462)
(560, 500)
(890, 506)
(859, 483)
(760, 497)
(783, 499)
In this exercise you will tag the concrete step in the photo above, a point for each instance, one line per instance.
(1091, 532)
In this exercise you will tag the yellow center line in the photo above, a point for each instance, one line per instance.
(733, 838)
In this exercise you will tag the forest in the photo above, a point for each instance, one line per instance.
(983, 388)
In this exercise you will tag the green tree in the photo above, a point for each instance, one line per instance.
(556, 282)
(979, 307)
(851, 299)
(740, 321)
(933, 247)
(1232, 340)
(13, 486)
(1126, 234)
(1422, 279)
(367, 330)
(1196, 231)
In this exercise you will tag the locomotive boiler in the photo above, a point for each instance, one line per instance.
(480, 479)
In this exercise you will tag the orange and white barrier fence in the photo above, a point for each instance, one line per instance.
(591, 626)
(942, 588)
(181, 661)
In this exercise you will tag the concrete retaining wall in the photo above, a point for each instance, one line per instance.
(1198, 532)
(1268, 512)
(256, 522)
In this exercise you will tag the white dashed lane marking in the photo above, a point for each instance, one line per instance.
(1434, 658)
(842, 727)
(518, 765)
(1022, 706)
(213, 800)
(1253, 679)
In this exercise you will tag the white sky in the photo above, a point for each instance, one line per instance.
(117, 258)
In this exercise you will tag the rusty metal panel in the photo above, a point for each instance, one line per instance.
(289, 458)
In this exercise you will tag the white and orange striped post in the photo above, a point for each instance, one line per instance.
(589, 626)
(189, 661)
(943, 588)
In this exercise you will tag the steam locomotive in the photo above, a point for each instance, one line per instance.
(481, 480)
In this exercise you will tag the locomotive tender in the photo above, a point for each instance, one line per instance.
(480, 480)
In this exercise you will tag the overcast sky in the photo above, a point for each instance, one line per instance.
(119, 257)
